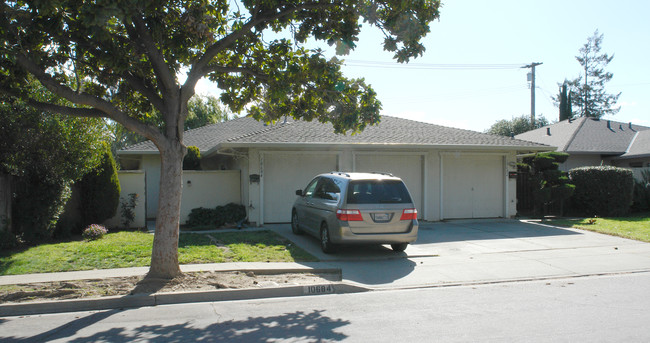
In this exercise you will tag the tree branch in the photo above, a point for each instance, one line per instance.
(160, 67)
(100, 107)
(139, 85)
(201, 67)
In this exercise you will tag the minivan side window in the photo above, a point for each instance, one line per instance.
(327, 190)
(377, 192)
(309, 191)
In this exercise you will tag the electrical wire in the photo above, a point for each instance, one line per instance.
(420, 66)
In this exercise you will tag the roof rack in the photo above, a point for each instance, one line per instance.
(340, 173)
(382, 173)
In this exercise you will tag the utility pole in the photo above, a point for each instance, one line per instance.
(531, 78)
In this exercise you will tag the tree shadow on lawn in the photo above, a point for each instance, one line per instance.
(312, 326)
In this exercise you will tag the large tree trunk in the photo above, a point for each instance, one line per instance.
(164, 255)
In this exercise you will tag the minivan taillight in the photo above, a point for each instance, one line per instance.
(349, 215)
(409, 214)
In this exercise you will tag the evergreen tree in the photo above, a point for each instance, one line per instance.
(591, 99)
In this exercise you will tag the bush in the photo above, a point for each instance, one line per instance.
(192, 161)
(38, 203)
(93, 232)
(641, 199)
(100, 190)
(549, 186)
(216, 217)
(602, 191)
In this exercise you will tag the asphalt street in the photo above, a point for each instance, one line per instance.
(586, 309)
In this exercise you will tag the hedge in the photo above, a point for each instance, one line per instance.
(216, 217)
(602, 191)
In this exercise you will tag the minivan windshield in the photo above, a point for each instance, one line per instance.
(377, 192)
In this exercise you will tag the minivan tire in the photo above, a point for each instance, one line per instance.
(399, 247)
(295, 227)
(325, 242)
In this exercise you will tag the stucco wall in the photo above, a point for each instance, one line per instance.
(209, 189)
(131, 181)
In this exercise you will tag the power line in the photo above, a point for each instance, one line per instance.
(393, 65)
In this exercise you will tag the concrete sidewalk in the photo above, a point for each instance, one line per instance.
(446, 253)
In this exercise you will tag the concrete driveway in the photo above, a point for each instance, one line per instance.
(479, 251)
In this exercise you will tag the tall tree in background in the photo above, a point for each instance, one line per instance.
(204, 110)
(566, 110)
(590, 98)
(121, 59)
(515, 126)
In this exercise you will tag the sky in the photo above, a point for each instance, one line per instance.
(511, 33)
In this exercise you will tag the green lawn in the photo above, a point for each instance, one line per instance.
(634, 227)
(133, 249)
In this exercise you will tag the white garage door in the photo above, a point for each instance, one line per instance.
(407, 167)
(473, 186)
(283, 174)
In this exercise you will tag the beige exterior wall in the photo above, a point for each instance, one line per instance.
(209, 189)
(131, 181)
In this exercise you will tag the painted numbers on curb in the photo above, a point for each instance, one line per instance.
(318, 289)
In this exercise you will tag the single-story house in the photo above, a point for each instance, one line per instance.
(594, 142)
(451, 173)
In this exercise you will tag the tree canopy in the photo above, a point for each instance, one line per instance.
(515, 126)
(588, 94)
(121, 59)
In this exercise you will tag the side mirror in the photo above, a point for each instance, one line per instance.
(299, 192)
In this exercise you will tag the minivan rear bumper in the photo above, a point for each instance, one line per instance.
(344, 235)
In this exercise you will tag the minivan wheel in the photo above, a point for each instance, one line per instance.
(399, 247)
(294, 224)
(325, 242)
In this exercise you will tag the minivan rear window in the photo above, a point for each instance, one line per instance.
(377, 192)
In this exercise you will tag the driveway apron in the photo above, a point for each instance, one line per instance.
(482, 251)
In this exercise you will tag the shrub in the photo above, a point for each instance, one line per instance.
(93, 232)
(641, 199)
(548, 184)
(216, 217)
(38, 203)
(127, 208)
(602, 191)
(100, 190)
(192, 161)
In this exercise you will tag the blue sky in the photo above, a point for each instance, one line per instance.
(508, 32)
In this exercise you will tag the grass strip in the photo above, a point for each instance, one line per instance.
(133, 249)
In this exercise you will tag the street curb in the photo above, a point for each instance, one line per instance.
(142, 300)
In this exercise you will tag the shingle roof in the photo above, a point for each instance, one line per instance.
(640, 146)
(587, 136)
(246, 131)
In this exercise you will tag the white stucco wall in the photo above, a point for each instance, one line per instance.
(131, 181)
(209, 189)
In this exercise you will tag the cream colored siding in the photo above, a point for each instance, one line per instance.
(209, 189)
(473, 186)
(131, 182)
(408, 167)
(285, 172)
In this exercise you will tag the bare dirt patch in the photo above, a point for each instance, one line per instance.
(192, 281)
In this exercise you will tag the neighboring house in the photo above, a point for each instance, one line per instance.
(594, 142)
(451, 173)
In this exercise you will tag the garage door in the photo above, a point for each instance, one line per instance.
(473, 186)
(407, 167)
(283, 174)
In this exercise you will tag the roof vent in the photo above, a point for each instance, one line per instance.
(548, 131)
(630, 125)
(609, 124)
(621, 127)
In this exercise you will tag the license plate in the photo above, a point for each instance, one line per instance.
(382, 217)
